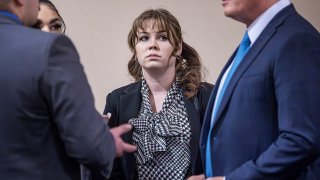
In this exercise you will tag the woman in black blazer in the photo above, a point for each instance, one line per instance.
(165, 105)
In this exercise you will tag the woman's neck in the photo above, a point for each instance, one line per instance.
(160, 82)
(159, 87)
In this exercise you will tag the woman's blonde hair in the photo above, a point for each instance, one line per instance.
(188, 64)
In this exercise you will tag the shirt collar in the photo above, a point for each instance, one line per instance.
(11, 16)
(255, 29)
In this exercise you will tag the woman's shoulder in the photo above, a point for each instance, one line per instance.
(129, 88)
(113, 98)
(205, 86)
(204, 91)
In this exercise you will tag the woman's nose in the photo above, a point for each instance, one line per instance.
(153, 44)
(45, 28)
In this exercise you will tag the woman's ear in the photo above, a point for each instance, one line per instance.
(179, 50)
(19, 2)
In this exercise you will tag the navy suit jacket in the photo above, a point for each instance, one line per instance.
(48, 122)
(268, 123)
(124, 103)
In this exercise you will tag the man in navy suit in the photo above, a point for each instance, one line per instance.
(48, 123)
(266, 124)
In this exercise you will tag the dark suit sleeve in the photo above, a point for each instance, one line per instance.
(117, 172)
(65, 88)
(297, 86)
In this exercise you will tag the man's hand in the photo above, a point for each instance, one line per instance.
(121, 146)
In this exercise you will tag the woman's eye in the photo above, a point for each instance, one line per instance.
(143, 38)
(56, 27)
(163, 38)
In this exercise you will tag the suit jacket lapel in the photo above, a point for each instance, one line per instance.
(207, 116)
(253, 52)
(209, 108)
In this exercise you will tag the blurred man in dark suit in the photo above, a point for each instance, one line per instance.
(48, 123)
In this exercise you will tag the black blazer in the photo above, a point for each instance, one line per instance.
(48, 122)
(124, 103)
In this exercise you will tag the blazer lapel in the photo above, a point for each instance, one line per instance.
(253, 52)
(207, 119)
(129, 107)
(194, 120)
(130, 102)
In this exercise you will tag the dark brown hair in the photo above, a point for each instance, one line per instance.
(188, 65)
(53, 7)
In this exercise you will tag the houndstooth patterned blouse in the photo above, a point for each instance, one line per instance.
(163, 138)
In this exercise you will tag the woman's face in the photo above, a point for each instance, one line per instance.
(154, 51)
(49, 20)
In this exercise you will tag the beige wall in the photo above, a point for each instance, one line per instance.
(99, 30)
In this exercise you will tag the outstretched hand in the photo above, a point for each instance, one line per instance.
(121, 146)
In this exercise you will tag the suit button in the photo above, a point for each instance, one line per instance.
(215, 139)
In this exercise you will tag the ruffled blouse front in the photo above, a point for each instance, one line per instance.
(163, 138)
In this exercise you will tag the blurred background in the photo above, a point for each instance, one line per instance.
(99, 30)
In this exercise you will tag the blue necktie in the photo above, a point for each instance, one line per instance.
(242, 50)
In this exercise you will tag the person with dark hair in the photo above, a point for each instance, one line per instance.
(49, 18)
(48, 122)
(165, 104)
